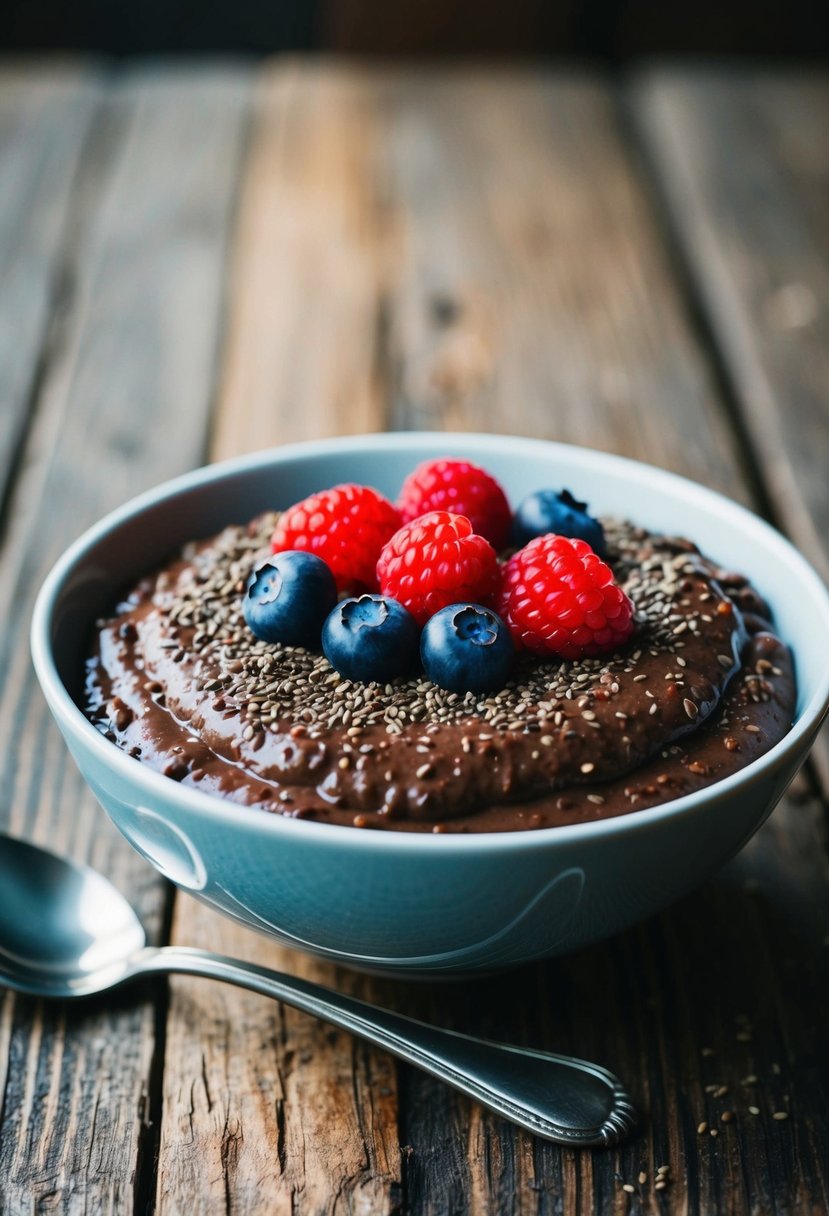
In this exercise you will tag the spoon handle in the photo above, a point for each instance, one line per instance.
(557, 1097)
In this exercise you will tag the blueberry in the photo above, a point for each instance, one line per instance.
(287, 598)
(553, 511)
(466, 648)
(370, 638)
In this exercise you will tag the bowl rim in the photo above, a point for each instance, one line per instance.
(235, 815)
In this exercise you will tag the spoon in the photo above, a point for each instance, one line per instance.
(66, 932)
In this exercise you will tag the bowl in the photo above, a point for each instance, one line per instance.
(406, 903)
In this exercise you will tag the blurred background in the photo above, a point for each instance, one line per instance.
(613, 30)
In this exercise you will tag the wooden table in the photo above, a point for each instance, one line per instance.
(202, 260)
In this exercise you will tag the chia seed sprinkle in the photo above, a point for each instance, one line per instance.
(266, 681)
(553, 721)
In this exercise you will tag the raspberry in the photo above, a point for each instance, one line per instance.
(462, 488)
(558, 597)
(435, 561)
(346, 526)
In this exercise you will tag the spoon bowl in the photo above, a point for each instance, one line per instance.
(66, 932)
(61, 925)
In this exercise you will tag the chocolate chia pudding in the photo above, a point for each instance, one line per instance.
(704, 687)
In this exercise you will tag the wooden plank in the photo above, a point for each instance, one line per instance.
(123, 402)
(742, 160)
(538, 298)
(45, 116)
(506, 273)
(314, 228)
(288, 1114)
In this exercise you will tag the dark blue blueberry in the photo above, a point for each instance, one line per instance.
(370, 638)
(553, 511)
(466, 648)
(288, 597)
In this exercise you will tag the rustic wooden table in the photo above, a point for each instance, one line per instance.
(199, 261)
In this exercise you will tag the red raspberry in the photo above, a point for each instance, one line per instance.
(462, 488)
(558, 597)
(346, 526)
(435, 561)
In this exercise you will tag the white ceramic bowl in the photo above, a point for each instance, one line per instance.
(410, 903)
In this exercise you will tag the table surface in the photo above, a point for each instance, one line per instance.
(201, 260)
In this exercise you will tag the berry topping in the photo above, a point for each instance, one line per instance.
(553, 511)
(467, 648)
(434, 561)
(462, 488)
(558, 597)
(370, 638)
(346, 526)
(287, 598)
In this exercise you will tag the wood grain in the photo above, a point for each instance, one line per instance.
(305, 331)
(266, 1110)
(742, 160)
(289, 1115)
(45, 116)
(507, 273)
(535, 295)
(122, 402)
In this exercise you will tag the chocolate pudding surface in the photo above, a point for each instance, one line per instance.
(703, 688)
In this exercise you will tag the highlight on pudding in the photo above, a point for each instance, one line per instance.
(442, 663)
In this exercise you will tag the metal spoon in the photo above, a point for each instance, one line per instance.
(66, 932)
